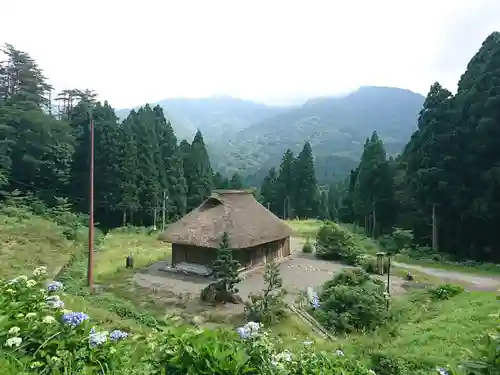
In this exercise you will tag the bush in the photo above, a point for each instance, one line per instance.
(445, 291)
(352, 301)
(333, 242)
(38, 336)
(307, 247)
(370, 265)
(268, 306)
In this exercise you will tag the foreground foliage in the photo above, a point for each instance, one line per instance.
(39, 336)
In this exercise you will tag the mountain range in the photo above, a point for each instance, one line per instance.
(251, 137)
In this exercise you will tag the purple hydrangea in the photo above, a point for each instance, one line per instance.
(74, 318)
(117, 335)
(54, 286)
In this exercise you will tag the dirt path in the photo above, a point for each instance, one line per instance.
(474, 282)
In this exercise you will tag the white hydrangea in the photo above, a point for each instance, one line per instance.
(30, 315)
(40, 271)
(48, 319)
(30, 283)
(13, 341)
(14, 330)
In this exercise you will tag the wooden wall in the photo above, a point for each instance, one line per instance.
(249, 257)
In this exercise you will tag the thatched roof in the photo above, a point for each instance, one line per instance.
(236, 212)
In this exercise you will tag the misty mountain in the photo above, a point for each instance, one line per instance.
(335, 126)
(216, 117)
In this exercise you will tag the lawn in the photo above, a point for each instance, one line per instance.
(119, 243)
(304, 228)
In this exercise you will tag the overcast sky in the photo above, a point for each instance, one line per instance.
(132, 52)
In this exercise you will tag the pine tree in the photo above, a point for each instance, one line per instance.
(374, 194)
(285, 185)
(305, 189)
(173, 174)
(225, 269)
(269, 192)
(197, 170)
(150, 192)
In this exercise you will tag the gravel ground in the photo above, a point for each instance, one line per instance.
(299, 271)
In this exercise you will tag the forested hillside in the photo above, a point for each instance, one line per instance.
(444, 187)
(139, 164)
(334, 126)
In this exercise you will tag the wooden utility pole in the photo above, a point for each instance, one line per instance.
(154, 219)
(374, 219)
(164, 210)
(90, 267)
(434, 229)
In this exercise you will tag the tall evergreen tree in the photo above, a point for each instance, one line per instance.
(285, 185)
(198, 171)
(269, 192)
(173, 174)
(305, 188)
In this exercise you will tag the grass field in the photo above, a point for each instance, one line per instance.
(28, 241)
(119, 243)
(437, 333)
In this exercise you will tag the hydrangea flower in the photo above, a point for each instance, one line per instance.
(117, 335)
(74, 318)
(18, 279)
(441, 371)
(97, 338)
(315, 300)
(248, 330)
(30, 283)
(307, 342)
(14, 330)
(40, 271)
(54, 286)
(55, 302)
(339, 352)
(48, 319)
(13, 341)
(30, 315)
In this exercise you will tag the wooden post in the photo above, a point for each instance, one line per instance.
(164, 210)
(434, 229)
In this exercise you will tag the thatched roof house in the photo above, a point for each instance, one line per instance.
(256, 234)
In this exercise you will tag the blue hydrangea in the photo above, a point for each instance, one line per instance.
(442, 371)
(118, 335)
(315, 301)
(54, 286)
(74, 318)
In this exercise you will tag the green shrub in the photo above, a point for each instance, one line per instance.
(352, 301)
(307, 247)
(370, 265)
(445, 291)
(268, 305)
(334, 242)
